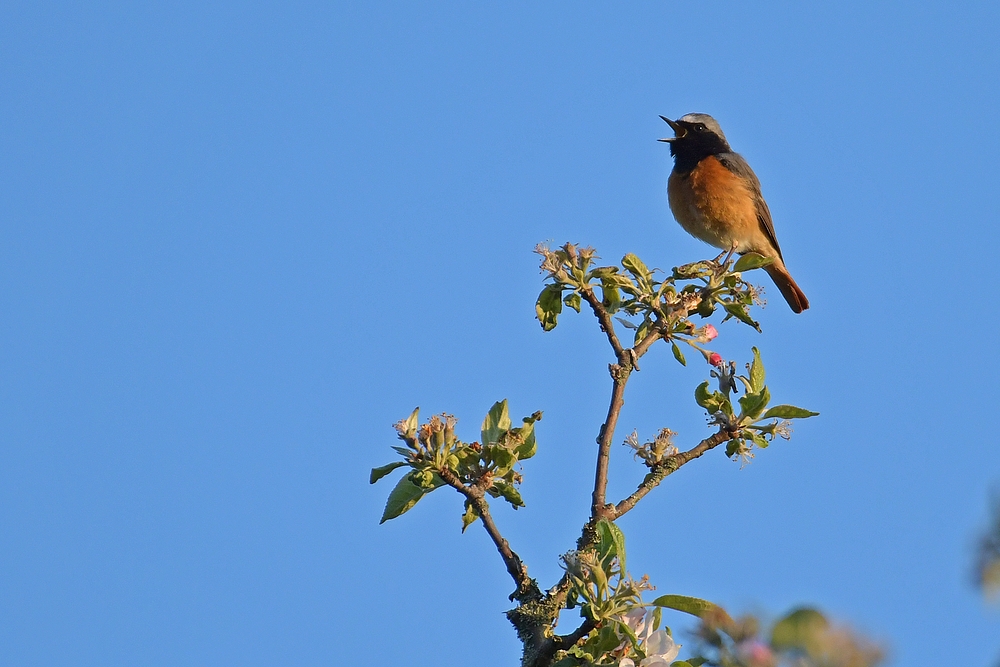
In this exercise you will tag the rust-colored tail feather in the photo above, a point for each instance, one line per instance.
(795, 297)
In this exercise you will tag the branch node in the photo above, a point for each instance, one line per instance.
(633, 358)
(619, 372)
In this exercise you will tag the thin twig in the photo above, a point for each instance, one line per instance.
(607, 324)
(527, 588)
(643, 345)
(661, 470)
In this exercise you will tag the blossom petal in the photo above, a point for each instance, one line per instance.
(634, 617)
(654, 661)
(662, 645)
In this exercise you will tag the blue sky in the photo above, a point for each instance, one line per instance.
(239, 241)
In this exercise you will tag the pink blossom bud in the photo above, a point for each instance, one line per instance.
(755, 653)
(715, 359)
(710, 332)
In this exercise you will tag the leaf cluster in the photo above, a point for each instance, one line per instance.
(434, 453)
(746, 426)
(656, 451)
(599, 582)
(662, 303)
(601, 585)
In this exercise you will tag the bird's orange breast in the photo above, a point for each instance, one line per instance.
(715, 205)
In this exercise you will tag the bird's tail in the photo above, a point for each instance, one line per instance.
(795, 297)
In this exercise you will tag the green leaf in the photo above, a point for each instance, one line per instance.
(800, 630)
(611, 540)
(694, 606)
(502, 458)
(732, 447)
(509, 493)
(496, 422)
(750, 261)
(693, 270)
(635, 266)
(548, 306)
(402, 499)
(678, 355)
(630, 633)
(706, 307)
(573, 301)
(600, 579)
(643, 329)
(568, 661)
(413, 421)
(602, 272)
(427, 480)
(756, 371)
(788, 412)
(754, 404)
(610, 297)
(606, 640)
(697, 662)
(529, 447)
(711, 401)
(470, 515)
(740, 312)
(701, 394)
(758, 439)
(382, 471)
(681, 663)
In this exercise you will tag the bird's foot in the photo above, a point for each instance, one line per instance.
(729, 256)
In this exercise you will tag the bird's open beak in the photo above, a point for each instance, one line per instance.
(678, 129)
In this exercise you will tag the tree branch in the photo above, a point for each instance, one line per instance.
(543, 657)
(643, 345)
(527, 588)
(607, 324)
(605, 437)
(661, 470)
(627, 360)
(563, 642)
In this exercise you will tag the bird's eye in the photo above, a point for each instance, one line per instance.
(700, 127)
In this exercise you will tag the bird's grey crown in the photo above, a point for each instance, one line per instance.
(707, 120)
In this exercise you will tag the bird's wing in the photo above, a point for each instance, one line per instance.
(735, 163)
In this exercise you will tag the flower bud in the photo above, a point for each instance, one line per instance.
(715, 359)
(755, 653)
(711, 333)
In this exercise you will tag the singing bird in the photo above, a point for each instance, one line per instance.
(716, 197)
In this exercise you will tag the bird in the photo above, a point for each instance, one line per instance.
(716, 197)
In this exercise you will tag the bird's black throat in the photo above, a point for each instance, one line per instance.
(694, 147)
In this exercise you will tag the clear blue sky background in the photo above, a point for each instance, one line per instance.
(240, 240)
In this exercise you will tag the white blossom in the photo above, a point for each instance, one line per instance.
(658, 645)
